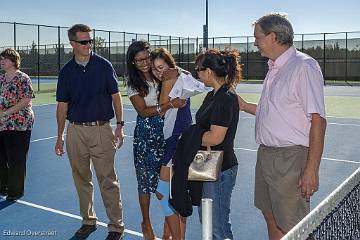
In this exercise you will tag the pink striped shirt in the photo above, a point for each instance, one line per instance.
(293, 89)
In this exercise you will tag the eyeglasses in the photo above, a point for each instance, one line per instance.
(199, 69)
(155, 69)
(141, 60)
(84, 42)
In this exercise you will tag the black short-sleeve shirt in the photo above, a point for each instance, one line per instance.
(88, 89)
(221, 109)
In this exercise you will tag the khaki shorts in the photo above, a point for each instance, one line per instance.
(276, 176)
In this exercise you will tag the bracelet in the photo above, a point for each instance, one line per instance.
(158, 109)
(122, 123)
(171, 105)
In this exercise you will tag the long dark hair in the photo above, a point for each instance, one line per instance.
(225, 64)
(136, 79)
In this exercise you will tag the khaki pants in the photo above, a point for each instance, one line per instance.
(98, 144)
(276, 176)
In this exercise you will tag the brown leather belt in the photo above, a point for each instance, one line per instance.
(90, 124)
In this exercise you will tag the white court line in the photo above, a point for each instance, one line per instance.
(241, 117)
(340, 160)
(43, 105)
(236, 148)
(343, 117)
(325, 158)
(245, 149)
(69, 215)
(329, 123)
(44, 139)
(125, 123)
(345, 124)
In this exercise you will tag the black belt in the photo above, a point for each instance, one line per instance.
(90, 124)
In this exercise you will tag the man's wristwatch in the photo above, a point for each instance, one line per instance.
(121, 123)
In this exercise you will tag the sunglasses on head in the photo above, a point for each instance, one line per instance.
(199, 69)
(84, 42)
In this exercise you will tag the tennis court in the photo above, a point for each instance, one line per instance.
(49, 209)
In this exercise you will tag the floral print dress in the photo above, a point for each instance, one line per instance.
(11, 93)
(148, 145)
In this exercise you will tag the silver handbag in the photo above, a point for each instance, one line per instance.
(206, 166)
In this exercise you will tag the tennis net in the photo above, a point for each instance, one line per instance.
(336, 217)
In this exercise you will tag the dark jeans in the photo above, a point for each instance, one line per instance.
(14, 146)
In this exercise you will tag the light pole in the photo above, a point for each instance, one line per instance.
(205, 29)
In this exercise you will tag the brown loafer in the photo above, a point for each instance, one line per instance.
(3, 192)
(114, 236)
(13, 198)
(84, 231)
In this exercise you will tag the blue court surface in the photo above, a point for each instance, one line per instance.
(49, 209)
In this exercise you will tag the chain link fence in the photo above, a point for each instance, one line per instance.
(45, 49)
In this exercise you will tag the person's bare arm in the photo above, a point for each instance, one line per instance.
(118, 107)
(246, 106)
(148, 111)
(24, 102)
(61, 113)
(215, 136)
(165, 90)
(309, 180)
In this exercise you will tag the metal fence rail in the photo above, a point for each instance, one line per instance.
(45, 49)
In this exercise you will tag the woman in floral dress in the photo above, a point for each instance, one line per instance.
(16, 122)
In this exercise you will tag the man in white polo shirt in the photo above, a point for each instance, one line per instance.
(289, 126)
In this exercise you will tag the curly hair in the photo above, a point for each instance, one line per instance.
(225, 64)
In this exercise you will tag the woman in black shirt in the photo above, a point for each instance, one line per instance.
(219, 116)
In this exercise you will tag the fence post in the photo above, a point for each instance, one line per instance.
(188, 54)
(59, 55)
(206, 218)
(38, 58)
(109, 52)
(197, 46)
(15, 35)
(124, 59)
(180, 55)
(346, 57)
(302, 42)
(170, 43)
(247, 58)
(94, 45)
(324, 56)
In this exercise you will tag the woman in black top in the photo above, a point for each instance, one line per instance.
(219, 115)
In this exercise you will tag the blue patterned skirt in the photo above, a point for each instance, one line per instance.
(148, 150)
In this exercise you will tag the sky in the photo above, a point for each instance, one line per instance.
(185, 18)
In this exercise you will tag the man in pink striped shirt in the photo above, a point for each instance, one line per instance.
(289, 126)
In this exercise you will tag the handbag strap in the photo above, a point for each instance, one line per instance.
(170, 180)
